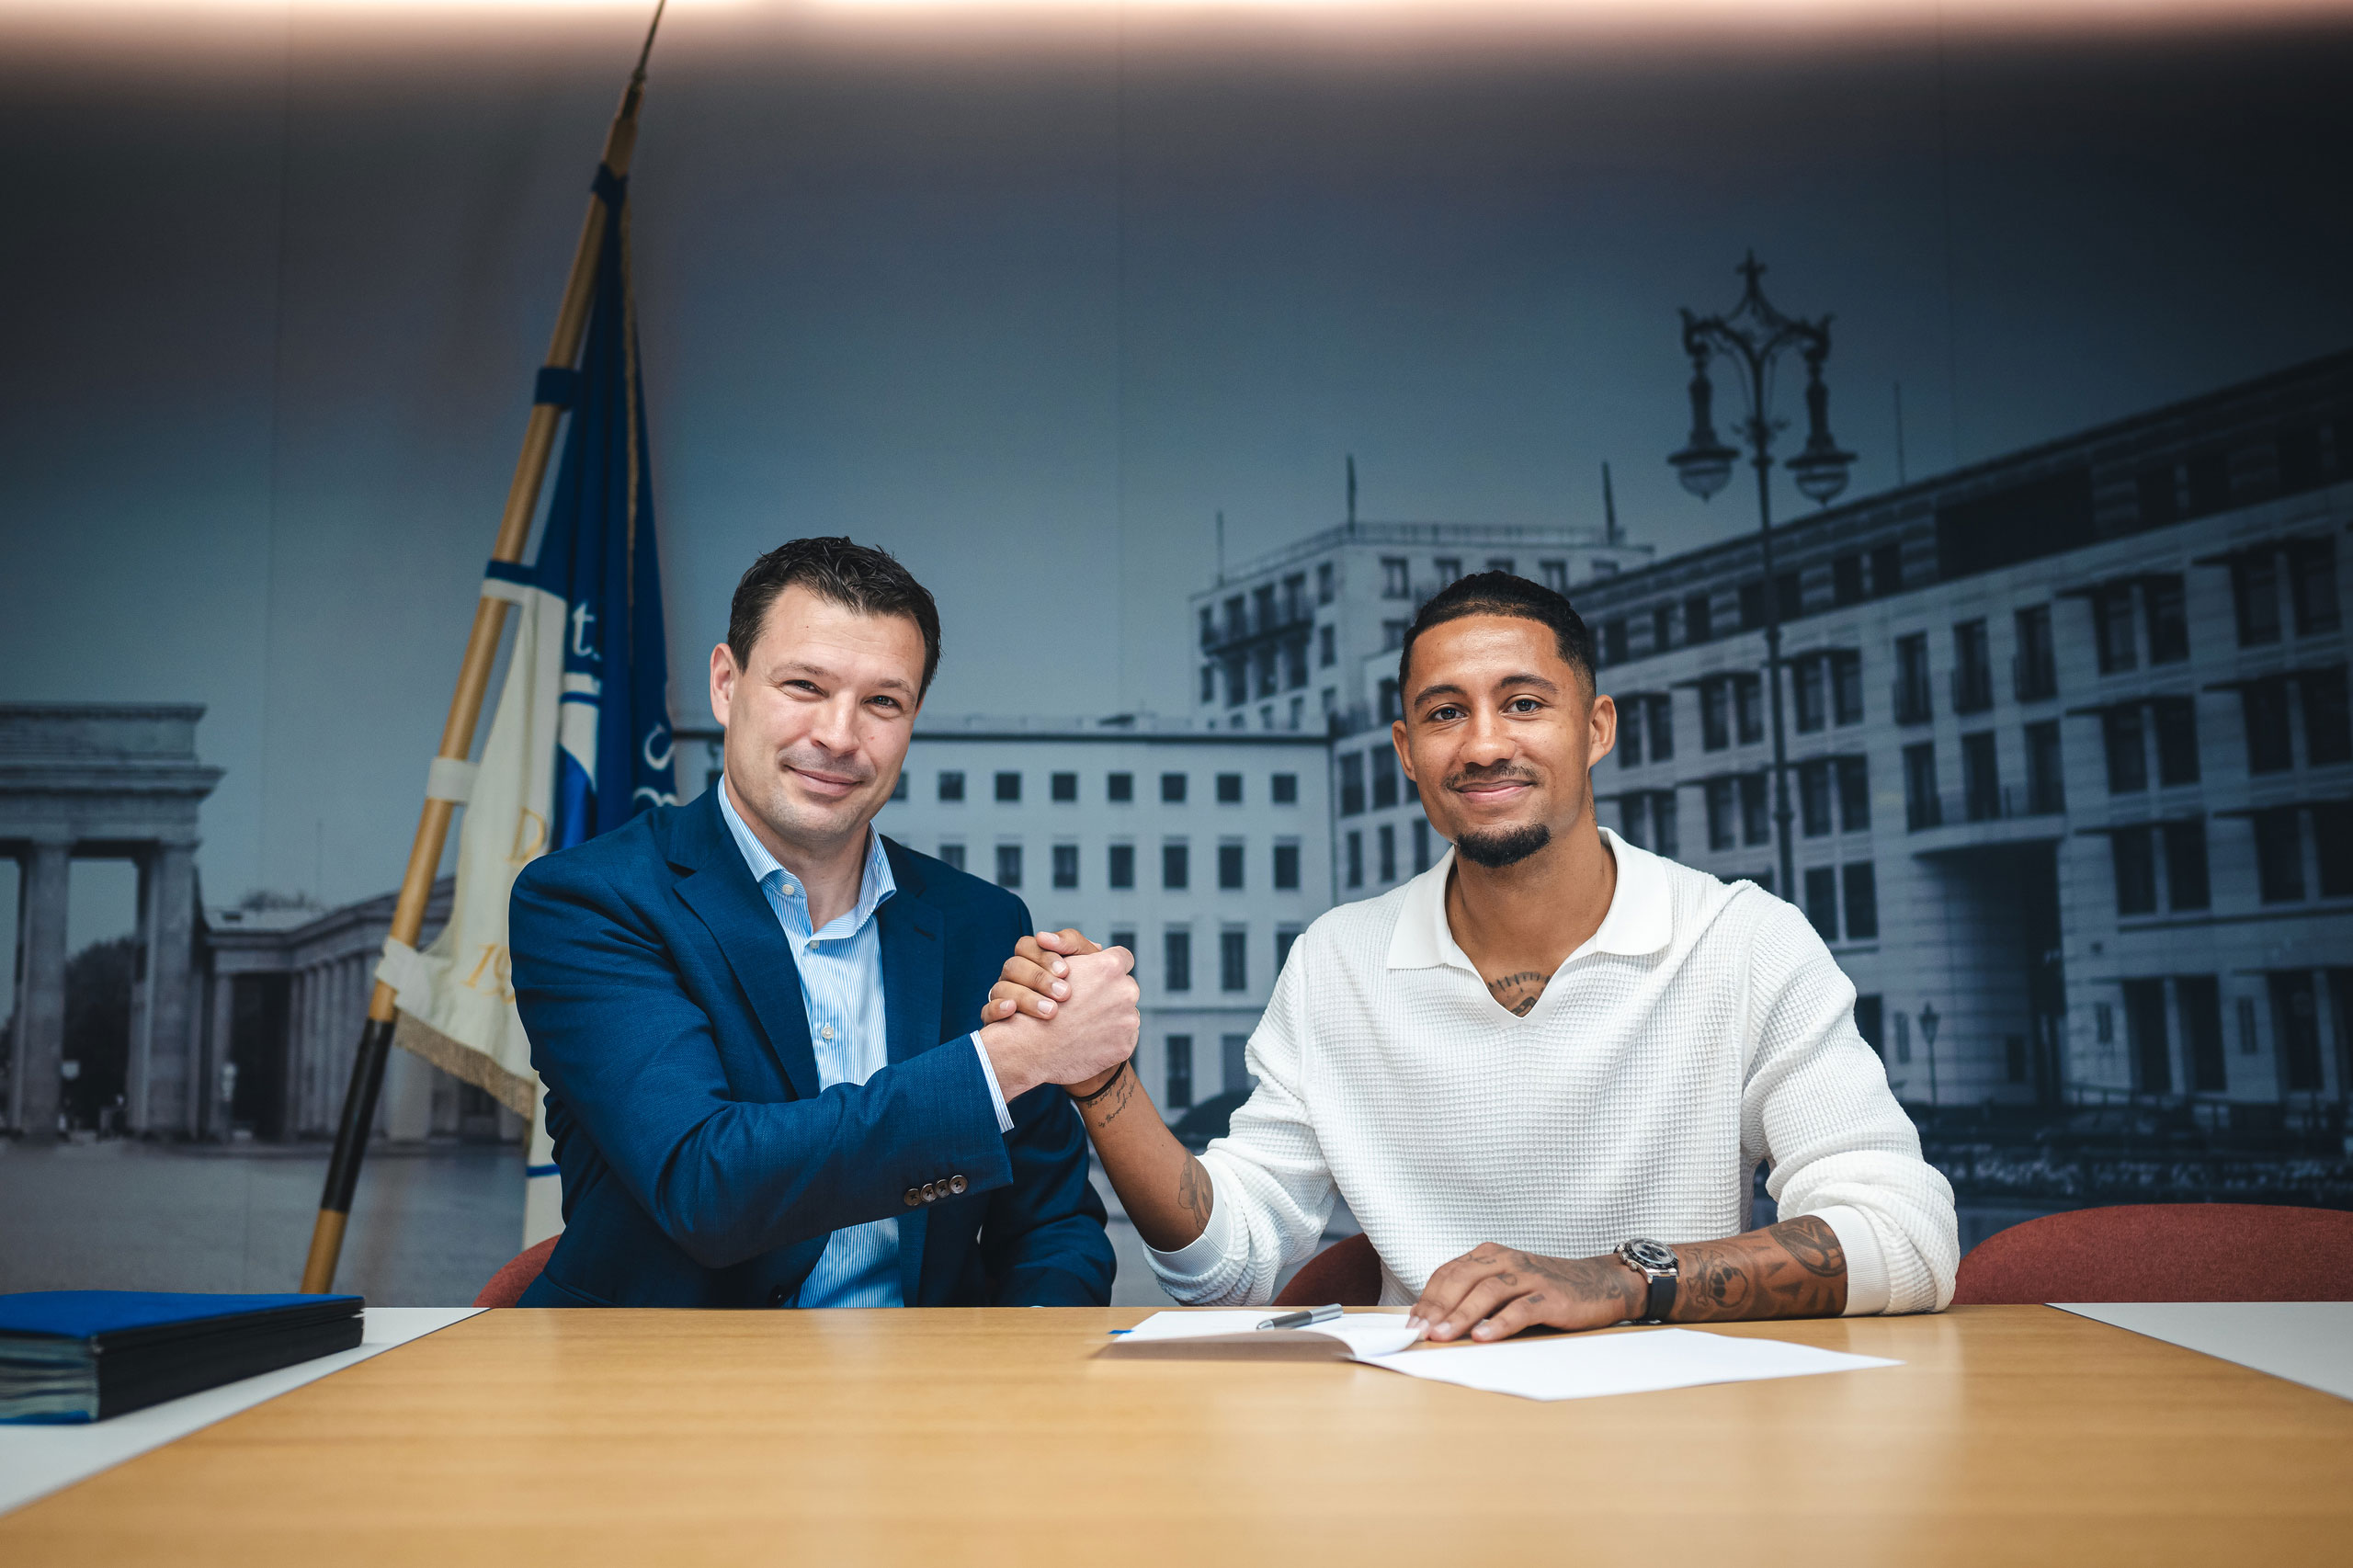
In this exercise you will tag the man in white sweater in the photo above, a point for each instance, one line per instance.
(1542, 1072)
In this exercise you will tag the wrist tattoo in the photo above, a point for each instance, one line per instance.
(1793, 1270)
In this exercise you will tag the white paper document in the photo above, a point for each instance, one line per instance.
(1356, 1334)
(1585, 1365)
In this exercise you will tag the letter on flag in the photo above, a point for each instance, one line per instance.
(581, 738)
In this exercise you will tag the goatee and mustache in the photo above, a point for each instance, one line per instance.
(1498, 847)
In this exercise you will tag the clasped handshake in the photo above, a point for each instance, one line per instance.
(1064, 1016)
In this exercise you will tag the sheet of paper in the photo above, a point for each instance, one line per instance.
(2304, 1342)
(1586, 1366)
(1357, 1334)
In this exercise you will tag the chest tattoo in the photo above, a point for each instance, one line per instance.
(1518, 991)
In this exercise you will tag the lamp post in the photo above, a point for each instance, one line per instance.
(1928, 1021)
(1753, 335)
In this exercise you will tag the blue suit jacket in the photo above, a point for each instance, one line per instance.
(701, 1166)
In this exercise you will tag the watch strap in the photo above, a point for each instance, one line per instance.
(1661, 1301)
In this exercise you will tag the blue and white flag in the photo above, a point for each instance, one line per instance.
(581, 739)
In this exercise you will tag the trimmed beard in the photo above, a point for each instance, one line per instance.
(1505, 846)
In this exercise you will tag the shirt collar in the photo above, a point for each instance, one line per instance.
(875, 882)
(1639, 922)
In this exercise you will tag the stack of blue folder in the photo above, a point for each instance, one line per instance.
(68, 1356)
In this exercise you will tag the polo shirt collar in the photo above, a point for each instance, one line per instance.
(1640, 920)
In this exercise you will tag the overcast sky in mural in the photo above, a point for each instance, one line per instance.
(1031, 316)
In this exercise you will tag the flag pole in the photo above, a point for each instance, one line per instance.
(465, 704)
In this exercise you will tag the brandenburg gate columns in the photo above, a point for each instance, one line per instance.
(104, 780)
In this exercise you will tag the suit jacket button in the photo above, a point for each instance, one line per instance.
(930, 1192)
(957, 1184)
(914, 1196)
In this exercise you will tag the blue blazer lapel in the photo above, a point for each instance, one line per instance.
(717, 886)
(913, 966)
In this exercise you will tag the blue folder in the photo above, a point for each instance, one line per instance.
(75, 1355)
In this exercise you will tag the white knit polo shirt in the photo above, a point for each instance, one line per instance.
(1704, 1027)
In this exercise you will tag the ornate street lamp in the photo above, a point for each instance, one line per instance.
(1753, 336)
(1928, 1021)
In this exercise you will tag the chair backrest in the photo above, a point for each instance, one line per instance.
(506, 1286)
(1347, 1272)
(2165, 1252)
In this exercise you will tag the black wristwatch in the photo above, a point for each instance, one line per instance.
(1654, 1261)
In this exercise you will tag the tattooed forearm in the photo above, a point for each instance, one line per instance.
(1518, 991)
(1791, 1270)
(1194, 1194)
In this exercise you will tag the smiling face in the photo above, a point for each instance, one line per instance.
(1499, 734)
(818, 718)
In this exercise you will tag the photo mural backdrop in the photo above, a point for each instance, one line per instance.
(1182, 353)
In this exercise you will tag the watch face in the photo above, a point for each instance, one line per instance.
(1649, 1255)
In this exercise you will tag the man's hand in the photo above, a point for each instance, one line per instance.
(1036, 979)
(1094, 1027)
(1794, 1269)
(1495, 1291)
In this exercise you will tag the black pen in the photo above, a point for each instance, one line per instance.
(1305, 1319)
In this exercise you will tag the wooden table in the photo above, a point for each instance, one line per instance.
(2011, 1435)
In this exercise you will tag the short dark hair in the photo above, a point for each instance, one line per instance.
(855, 577)
(1501, 593)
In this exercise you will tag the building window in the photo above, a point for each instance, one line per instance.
(1172, 789)
(2328, 726)
(1633, 807)
(2264, 704)
(1388, 844)
(1421, 844)
(1008, 787)
(1238, 617)
(1846, 687)
(1789, 595)
(1176, 864)
(1503, 563)
(1822, 901)
(1284, 936)
(2199, 997)
(1814, 797)
(2187, 884)
(1180, 1072)
(1847, 580)
(1065, 864)
(1980, 778)
(2168, 619)
(899, 786)
(1008, 865)
(2112, 627)
(1233, 961)
(1394, 584)
(1613, 635)
(1752, 606)
(2254, 598)
(2045, 783)
(1326, 586)
(1356, 859)
(1282, 789)
(1871, 1017)
(1393, 634)
(1064, 787)
(1555, 574)
(2250, 1037)
(1388, 707)
(952, 855)
(1122, 869)
(1808, 683)
(2034, 669)
(1128, 939)
(2311, 573)
(1119, 787)
(1721, 833)
(1715, 726)
(1237, 680)
(1862, 900)
(1295, 599)
(951, 786)
(1229, 865)
(2136, 871)
(1662, 629)
(2332, 847)
(1972, 669)
(1209, 634)
(1922, 805)
(1229, 789)
(1266, 686)
(2146, 1038)
(1660, 725)
(2279, 855)
(1756, 822)
(2177, 725)
(1663, 825)
(1696, 619)
(1912, 679)
(1351, 783)
(2295, 1023)
(1887, 570)
(2128, 755)
(1630, 732)
(1383, 763)
(1286, 865)
(1294, 664)
(1209, 683)
(1448, 567)
(1326, 646)
(1177, 960)
(1854, 794)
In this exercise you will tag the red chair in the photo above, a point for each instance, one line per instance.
(1347, 1272)
(506, 1286)
(2165, 1252)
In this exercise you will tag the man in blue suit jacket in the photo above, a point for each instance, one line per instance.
(758, 1020)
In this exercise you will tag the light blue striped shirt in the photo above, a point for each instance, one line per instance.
(841, 987)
